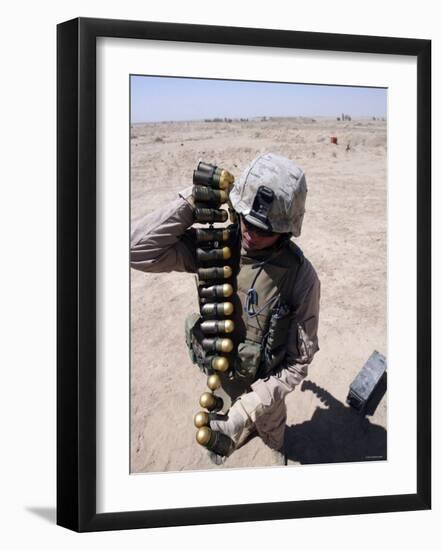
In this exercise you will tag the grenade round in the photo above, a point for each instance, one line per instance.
(206, 167)
(215, 440)
(216, 327)
(220, 364)
(217, 310)
(217, 291)
(208, 215)
(215, 172)
(206, 235)
(223, 179)
(214, 255)
(219, 180)
(208, 195)
(204, 435)
(223, 345)
(213, 382)
(201, 177)
(201, 419)
(214, 273)
(211, 402)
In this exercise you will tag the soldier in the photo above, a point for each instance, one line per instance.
(278, 290)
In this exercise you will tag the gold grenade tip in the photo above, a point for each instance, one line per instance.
(227, 290)
(227, 271)
(228, 308)
(203, 435)
(201, 419)
(207, 400)
(224, 180)
(226, 177)
(226, 345)
(223, 196)
(229, 325)
(225, 235)
(226, 253)
(220, 364)
(213, 382)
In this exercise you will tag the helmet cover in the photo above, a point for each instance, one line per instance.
(287, 181)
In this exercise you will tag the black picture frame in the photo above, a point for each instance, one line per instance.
(77, 287)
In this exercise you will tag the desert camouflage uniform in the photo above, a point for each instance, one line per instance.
(158, 244)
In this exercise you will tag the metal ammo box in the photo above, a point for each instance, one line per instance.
(363, 386)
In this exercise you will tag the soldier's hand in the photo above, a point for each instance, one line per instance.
(239, 422)
(233, 424)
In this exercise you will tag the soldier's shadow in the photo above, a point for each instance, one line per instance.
(336, 433)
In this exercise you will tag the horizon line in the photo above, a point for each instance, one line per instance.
(267, 118)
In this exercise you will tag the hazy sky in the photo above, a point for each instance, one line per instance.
(162, 98)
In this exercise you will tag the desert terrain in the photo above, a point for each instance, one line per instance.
(344, 236)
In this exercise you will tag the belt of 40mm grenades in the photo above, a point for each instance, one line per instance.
(217, 264)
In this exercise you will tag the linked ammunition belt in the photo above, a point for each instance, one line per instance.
(217, 268)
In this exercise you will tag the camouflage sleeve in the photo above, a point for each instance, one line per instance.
(159, 242)
(302, 342)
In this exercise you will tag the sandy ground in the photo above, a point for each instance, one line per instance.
(344, 235)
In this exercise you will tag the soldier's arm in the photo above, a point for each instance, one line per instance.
(159, 242)
(302, 343)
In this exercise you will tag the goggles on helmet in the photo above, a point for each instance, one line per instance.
(256, 230)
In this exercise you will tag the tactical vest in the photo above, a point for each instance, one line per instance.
(265, 289)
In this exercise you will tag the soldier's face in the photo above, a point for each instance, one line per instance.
(254, 239)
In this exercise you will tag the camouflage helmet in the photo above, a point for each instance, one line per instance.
(283, 213)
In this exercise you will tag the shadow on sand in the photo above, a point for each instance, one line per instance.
(337, 433)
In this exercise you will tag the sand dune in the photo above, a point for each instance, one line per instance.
(344, 235)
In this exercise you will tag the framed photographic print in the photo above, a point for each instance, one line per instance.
(243, 256)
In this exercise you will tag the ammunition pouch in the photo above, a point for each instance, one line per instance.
(248, 360)
(274, 345)
(194, 336)
(254, 360)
